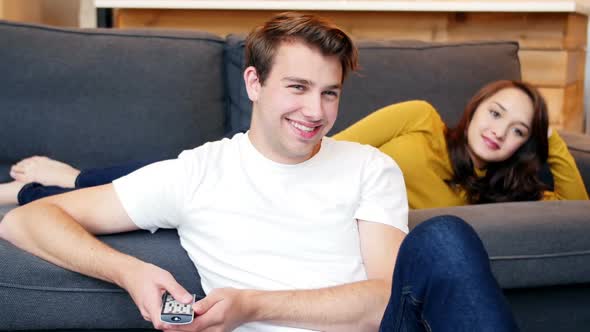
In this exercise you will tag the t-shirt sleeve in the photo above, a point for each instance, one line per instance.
(154, 196)
(383, 193)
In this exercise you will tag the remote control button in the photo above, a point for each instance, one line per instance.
(176, 318)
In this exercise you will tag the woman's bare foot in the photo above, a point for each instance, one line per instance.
(9, 192)
(45, 171)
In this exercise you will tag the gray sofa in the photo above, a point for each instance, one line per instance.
(102, 97)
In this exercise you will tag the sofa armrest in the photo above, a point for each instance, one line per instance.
(530, 244)
(53, 297)
(579, 146)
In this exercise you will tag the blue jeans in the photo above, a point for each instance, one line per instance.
(86, 178)
(443, 282)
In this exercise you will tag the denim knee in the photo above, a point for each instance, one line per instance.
(449, 243)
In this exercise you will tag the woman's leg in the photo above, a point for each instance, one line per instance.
(51, 171)
(99, 176)
(443, 282)
(9, 192)
(34, 191)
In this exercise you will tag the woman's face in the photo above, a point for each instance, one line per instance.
(500, 125)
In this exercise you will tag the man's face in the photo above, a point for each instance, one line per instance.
(297, 104)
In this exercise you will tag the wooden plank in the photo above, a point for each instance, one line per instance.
(360, 25)
(565, 106)
(390, 25)
(573, 108)
(23, 11)
(554, 99)
(216, 22)
(531, 30)
(552, 68)
(576, 32)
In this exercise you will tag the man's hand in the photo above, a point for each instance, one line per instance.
(146, 283)
(222, 310)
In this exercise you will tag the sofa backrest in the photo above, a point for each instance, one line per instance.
(444, 74)
(100, 97)
(97, 97)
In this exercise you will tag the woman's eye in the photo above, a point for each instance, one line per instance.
(519, 132)
(494, 114)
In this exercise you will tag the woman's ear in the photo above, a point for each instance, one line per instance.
(252, 83)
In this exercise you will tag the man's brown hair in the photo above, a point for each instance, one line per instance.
(263, 42)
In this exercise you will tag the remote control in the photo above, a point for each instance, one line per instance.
(174, 312)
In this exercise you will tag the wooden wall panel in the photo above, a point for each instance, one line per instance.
(381, 25)
(576, 32)
(219, 22)
(554, 98)
(573, 110)
(532, 31)
(555, 68)
(565, 112)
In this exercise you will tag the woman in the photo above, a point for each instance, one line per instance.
(494, 154)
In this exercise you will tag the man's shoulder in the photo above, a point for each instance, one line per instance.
(213, 147)
(348, 146)
(354, 148)
(358, 156)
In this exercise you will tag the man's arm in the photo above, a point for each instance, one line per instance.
(356, 306)
(60, 230)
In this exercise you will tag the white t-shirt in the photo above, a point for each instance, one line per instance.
(248, 222)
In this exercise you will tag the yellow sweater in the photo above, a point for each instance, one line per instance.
(412, 133)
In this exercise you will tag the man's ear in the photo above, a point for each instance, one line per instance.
(252, 83)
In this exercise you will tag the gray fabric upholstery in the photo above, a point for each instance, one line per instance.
(100, 97)
(559, 308)
(239, 106)
(4, 209)
(446, 75)
(530, 244)
(61, 295)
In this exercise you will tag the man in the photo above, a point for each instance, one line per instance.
(289, 230)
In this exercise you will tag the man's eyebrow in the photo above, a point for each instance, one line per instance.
(505, 110)
(303, 81)
(334, 87)
(297, 80)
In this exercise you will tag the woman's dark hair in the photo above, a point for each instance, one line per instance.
(515, 179)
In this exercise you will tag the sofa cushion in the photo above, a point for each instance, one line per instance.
(446, 75)
(99, 97)
(5, 208)
(56, 296)
(239, 111)
(530, 244)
